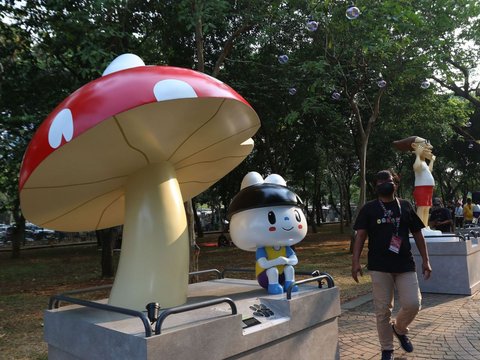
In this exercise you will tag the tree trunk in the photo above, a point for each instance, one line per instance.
(315, 202)
(319, 215)
(363, 171)
(342, 208)
(107, 238)
(199, 42)
(18, 234)
(16, 242)
(347, 202)
(194, 249)
(363, 183)
(198, 223)
(311, 215)
(364, 134)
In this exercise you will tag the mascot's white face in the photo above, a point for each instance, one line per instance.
(279, 225)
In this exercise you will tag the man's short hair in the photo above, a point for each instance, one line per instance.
(385, 175)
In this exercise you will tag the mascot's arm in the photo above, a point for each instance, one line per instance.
(430, 165)
(261, 255)
(292, 258)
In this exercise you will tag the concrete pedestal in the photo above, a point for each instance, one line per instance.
(455, 265)
(304, 327)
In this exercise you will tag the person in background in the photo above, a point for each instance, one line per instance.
(386, 221)
(468, 212)
(476, 213)
(440, 217)
(458, 215)
(451, 207)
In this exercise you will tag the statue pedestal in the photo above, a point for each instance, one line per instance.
(427, 232)
(455, 265)
(305, 326)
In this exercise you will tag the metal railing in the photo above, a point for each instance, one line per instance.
(190, 307)
(459, 236)
(317, 277)
(216, 271)
(55, 300)
(251, 270)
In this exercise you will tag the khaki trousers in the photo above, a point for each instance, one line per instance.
(409, 297)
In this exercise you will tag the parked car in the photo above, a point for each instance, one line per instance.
(9, 234)
(37, 233)
(3, 230)
(3, 233)
(41, 234)
(32, 233)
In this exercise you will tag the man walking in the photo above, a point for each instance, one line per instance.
(387, 221)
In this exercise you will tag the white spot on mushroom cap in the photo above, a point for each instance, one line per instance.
(123, 62)
(61, 127)
(173, 89)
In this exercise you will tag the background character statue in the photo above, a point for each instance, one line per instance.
(265, 217)
(424, 181)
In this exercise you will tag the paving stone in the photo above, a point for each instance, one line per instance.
(447, 327)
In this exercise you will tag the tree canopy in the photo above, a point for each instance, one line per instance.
(327, 146)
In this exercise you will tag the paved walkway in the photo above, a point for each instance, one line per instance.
(447, 327)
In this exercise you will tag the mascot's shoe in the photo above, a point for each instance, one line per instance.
(275, 289)
(287, 285)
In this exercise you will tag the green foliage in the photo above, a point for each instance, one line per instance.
(50, 48)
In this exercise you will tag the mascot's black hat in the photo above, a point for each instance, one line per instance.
(262, 195)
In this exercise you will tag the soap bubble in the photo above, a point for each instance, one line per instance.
(312, 25)
(381, 83)
(425, 84)
(292, 91)
(336, 95)
(352, 12)
(470, 146)
(283, 59)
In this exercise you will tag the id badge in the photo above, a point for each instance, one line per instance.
(395, 244)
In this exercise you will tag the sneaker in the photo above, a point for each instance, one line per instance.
(275, 289)
(404, 341)
(387, 355)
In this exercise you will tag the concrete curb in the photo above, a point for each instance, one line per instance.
(352, 304)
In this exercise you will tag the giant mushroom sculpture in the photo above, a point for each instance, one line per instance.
(129, 148)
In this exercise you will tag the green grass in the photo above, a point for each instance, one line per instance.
(27, 283)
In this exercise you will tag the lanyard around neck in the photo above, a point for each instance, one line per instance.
(389, 215)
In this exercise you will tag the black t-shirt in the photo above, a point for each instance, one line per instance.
(380, 230)
(441, 214)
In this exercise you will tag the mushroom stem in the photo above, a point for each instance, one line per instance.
(153, 264)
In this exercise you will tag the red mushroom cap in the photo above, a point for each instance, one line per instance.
(81, 155)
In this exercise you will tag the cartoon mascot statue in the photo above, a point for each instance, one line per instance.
(265, 217)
